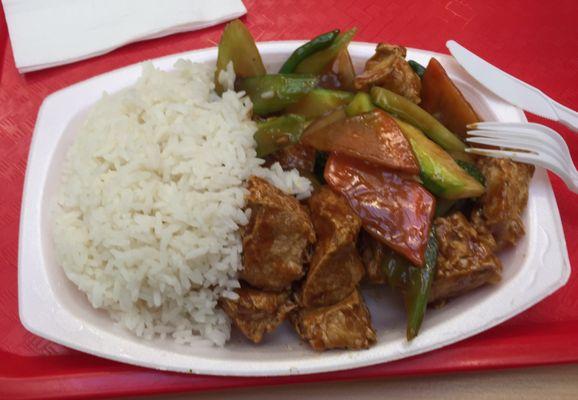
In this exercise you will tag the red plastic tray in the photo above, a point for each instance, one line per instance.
(533, 40)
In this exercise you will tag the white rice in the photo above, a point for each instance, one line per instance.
(151, 200)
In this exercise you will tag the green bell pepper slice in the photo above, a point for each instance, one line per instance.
(316, 44)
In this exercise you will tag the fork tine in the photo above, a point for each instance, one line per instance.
(487, 140)
(493, 125)
(502, 133)
(544, 160)
(543, 152)
(542, 142)
(528, 158)
(545, 155)
(504, 126)
(502, 142)
(525, 141)
(529, 128)
(551, 134)
(547, 148)
(493, 153)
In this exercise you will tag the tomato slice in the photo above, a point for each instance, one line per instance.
(372, 136)
(394, 209)
(442, 99)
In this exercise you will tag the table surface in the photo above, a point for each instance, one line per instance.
(540, 383)
(536, 41)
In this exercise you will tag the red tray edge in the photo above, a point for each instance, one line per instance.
(148, 382)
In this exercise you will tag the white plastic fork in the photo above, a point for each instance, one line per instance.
(528, 143)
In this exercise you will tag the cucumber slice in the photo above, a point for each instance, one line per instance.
(440, 174)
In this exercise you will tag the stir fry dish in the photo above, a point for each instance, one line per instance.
(398, 202)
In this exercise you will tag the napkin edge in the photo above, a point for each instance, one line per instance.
(23, 69)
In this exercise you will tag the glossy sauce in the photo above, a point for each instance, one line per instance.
(395, 210)
(372, 136)
(442, 99)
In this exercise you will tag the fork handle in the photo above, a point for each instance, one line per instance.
(567, 116)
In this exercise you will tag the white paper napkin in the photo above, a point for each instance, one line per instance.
(46, 33)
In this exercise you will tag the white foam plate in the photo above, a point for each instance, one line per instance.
(53, 308)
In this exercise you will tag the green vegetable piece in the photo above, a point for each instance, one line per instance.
(472, 170)
(319, 102)
(396, 269)
(439, 172)
(273, 93)
(237, 45)
(415, 115)
(418, 287)
(413, 282)
(326, 120)
(316, 44)
(445, 206)
(278, 132)
(360, 104)
(417, 68)
(321, 61)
